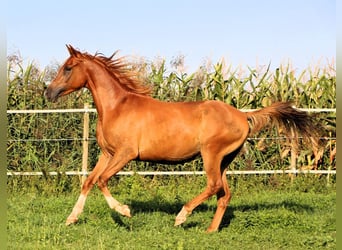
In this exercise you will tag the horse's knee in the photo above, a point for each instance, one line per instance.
(87, 185)
(101, 183)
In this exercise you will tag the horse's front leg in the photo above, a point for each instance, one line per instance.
(112, 202)
(114, 166)
(88, 184)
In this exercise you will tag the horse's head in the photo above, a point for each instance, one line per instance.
(70, 77)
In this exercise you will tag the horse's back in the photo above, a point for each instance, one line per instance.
(178, 130)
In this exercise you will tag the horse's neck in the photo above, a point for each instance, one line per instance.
(105, 91)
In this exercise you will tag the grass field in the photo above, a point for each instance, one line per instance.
(266, 212)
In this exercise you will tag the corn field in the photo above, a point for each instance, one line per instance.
(53, 142)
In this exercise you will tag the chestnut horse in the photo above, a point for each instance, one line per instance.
(134, 126)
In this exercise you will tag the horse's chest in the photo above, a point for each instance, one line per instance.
(112, 139)
(104, 140)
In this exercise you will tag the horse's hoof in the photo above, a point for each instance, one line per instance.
(123, 210)
(126, 211)
(181, 217)
(179, 221)
(71, 220)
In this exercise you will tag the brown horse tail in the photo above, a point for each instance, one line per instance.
(287, 118)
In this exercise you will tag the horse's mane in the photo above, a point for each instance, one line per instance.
(121, 71)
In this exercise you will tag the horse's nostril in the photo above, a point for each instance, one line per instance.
(51, 94)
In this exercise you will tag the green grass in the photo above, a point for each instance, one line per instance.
(265, 213)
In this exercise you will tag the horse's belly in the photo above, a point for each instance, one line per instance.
(175, 148)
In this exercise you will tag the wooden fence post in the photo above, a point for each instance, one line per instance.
(331, 159)
(85, 143)
(294, 153)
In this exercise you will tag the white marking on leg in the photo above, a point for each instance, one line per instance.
(112, 202)
(181, 217)
(77, 210)
(117, 206)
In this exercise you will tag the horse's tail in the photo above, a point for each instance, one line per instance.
(291, 120)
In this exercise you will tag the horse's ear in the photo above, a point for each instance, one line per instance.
(72, 51)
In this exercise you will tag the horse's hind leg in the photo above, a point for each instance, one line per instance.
(224, 195)
(87, 185)
(215, 168)
(223, 198)
(214, 184)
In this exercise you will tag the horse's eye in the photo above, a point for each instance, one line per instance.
(67, 69)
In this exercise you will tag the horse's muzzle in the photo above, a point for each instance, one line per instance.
(52, 94)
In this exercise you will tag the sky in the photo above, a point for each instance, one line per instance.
(244, 32)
